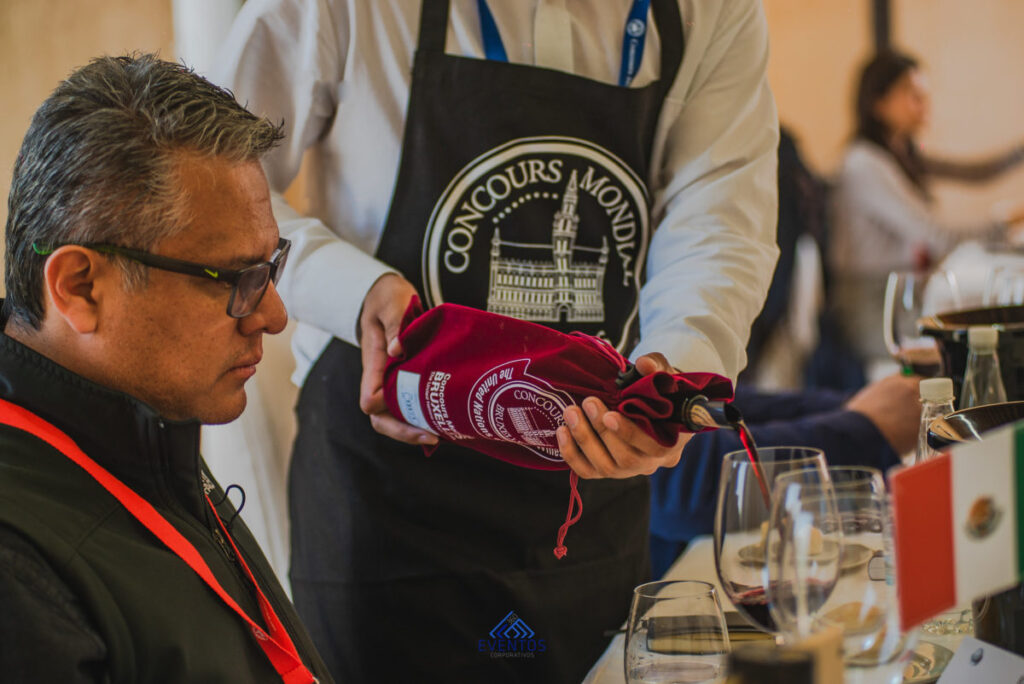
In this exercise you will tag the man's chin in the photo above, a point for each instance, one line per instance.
(225, 412)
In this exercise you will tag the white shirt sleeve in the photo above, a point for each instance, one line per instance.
(713, 250)
(284, 60)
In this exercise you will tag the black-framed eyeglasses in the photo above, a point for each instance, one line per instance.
(248, 285)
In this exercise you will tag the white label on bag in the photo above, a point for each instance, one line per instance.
(408, 387)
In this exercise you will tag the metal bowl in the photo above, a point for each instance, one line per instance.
(968, 425)
(1008, 317)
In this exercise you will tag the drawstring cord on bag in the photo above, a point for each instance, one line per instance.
(575, 501)
(570, 518)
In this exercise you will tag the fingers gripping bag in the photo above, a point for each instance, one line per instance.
(500, 385)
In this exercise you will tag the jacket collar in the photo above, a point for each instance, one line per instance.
(159, 459)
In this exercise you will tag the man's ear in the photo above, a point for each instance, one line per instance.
(75, 279)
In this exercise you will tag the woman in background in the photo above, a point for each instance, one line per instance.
(883, 216)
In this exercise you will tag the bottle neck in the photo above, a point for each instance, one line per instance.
(929, 406)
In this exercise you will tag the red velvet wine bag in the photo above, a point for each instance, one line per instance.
(500, 385)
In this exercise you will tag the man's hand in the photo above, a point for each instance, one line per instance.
(893, 405)
(379, 321)
(601, 443)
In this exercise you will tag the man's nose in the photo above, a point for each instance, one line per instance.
(269, 316)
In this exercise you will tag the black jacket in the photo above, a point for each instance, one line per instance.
(87, 594)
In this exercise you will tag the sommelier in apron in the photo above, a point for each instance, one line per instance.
(564, 162)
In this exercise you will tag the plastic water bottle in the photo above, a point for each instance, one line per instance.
(936, 401)
(983, 382)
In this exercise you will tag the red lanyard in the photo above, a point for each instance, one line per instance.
(274, 641)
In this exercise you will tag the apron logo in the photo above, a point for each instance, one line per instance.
(507, 403)
(511, 637)
(549, 230)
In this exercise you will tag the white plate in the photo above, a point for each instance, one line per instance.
(854, 556)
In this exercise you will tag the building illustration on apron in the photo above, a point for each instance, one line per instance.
(559, 289)
(549, 229)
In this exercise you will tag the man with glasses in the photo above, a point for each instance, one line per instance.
(141, 264)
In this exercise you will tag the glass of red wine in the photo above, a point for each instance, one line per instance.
(743, 520)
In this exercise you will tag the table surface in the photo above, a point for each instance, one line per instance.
(698, 563)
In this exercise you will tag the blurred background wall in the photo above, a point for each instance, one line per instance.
(42, 40)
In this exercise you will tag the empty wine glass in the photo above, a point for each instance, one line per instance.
(742, 520)
(862, 603)
(676, 633)
(904, 306)
(1004, 286)
(857, 478)
(805, 545)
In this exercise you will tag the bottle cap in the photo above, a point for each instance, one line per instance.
(937, 389)
(982, 337)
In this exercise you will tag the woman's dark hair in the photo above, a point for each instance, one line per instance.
(877, 78)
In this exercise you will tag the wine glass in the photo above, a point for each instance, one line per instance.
(676, 633)
(862, 603)
(850, 505)
(857, 478)
(904, 306)
(742, 520)
(805, 545)
(1004, 286)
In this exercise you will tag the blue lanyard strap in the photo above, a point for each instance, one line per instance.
(494, 49)
(633, 39)
(634, 36)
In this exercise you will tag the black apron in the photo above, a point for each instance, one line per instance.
(520, 191)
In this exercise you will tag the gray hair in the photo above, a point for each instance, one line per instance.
(98, 164)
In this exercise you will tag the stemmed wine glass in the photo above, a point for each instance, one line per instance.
(1004, 286)
(742, 520)
(862, 604)
(904, 306)
(676, 633)
(805, 547)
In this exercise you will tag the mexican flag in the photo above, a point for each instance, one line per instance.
(957, 525)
